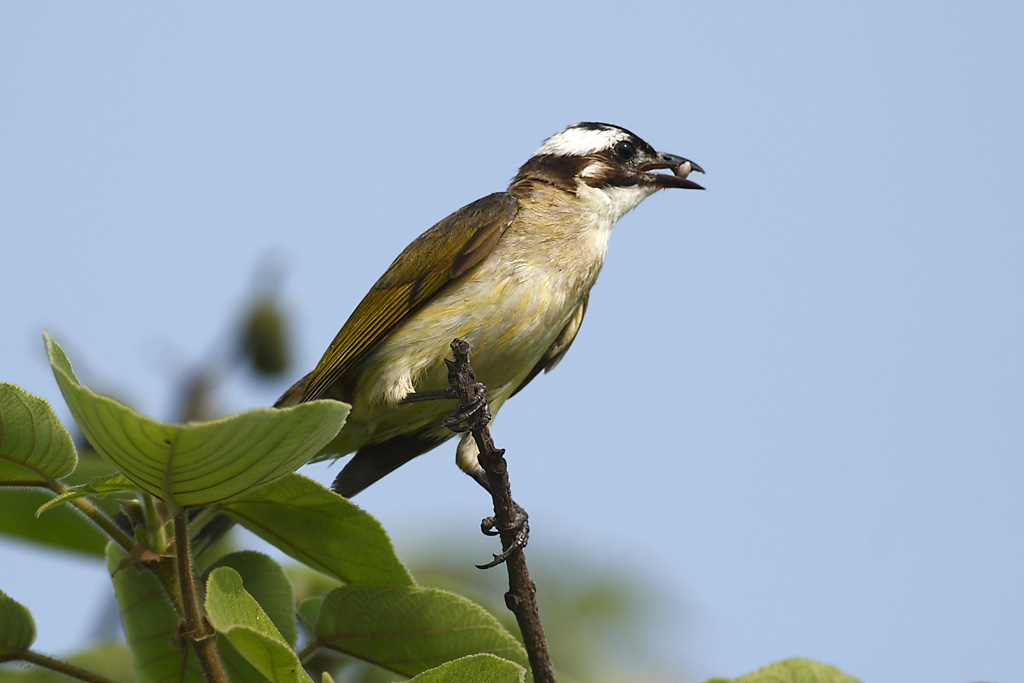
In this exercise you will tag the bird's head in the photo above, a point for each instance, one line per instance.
(606, 161)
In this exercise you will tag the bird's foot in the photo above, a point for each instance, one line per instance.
(476, 408)
(520, 525)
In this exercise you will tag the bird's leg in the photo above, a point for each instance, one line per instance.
(418, 396)
(472, 414)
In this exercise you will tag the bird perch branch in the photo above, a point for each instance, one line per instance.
(509, 519)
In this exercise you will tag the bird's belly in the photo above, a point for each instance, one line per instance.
(510, 319)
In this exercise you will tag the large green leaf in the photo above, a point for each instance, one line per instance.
(409, 629)
(238, 617)
(197, 463)
(17, 630)
(35, 448)
(484, 668)
(150, 624)
(265, 580)
(793, 671)
(320, 529)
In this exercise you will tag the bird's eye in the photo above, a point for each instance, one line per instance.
(624, 150)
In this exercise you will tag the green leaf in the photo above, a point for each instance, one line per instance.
(320, 529)
(100, 486)
(309, 612)
(17, 630)
(794, 671)
(238, 617)
(266, 581)
(35, 448)
(150, 625)
(197, 463)
(409, 629)
(485, 668)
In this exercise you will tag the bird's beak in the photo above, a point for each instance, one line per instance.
(680, 167)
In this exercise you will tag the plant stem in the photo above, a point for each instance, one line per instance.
(95, 515)
(158, 535)
(60, 666)
(197, 629)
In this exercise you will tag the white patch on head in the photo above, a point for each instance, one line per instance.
(579, 141)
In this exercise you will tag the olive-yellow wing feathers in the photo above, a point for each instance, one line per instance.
(435, 258)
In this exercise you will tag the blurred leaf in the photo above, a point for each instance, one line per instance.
(35, 448)
(321, 529)
(409, 630)
(264, 338)
(63, 528)
(198, 463)
(196, 396)
(266, 582)
(309, 612)
(622, 606)
(238, 617)
(100, 486)
(308, 582)
(17, 630)
(150, 625)
(485, 668)
(108, 659)
(792, 671)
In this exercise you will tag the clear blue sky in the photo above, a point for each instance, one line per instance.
(797, 402)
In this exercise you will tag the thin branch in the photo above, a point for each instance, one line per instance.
(158, 531)
(196, 628)
(60, 666)
(509, 518)
(97, 516)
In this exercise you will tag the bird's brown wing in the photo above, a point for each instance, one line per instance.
(435, 258)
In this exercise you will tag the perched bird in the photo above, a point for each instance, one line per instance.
(510, 273)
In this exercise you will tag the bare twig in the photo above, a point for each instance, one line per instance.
(509, 518)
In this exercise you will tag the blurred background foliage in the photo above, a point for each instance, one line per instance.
(599, 615)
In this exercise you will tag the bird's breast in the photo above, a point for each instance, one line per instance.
(510, 307)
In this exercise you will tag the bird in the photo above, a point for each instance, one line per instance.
(510, 273)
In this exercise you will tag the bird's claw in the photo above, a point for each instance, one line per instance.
(464, 411)
(520, 525)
